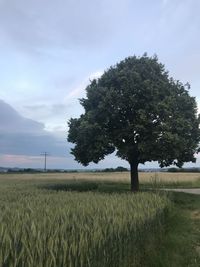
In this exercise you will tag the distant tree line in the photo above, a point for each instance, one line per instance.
(118, 169)
(31, 170)
(184, 170)
(26, 170)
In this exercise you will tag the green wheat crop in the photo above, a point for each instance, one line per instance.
(49, 228)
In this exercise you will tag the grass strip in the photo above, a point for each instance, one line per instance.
(180, 246)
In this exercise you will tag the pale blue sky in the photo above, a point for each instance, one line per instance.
(50, 49)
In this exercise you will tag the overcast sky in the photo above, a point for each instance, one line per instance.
(49, 50)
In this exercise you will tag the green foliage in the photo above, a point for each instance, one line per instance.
(136, 109)
(46, 228)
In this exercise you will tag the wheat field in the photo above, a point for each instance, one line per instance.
(144, 177)
(46, 226)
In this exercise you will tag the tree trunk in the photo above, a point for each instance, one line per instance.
(134, 177)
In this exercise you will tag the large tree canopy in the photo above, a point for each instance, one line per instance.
(137, 110)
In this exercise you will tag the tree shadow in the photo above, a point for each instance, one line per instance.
(85, 186)
(70, 186)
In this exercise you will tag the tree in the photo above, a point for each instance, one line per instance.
(137, 110)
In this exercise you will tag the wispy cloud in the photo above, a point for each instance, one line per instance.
(79, 91)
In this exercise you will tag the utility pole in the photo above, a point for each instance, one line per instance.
(45, 154)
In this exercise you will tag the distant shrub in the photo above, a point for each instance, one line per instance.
(183, 170)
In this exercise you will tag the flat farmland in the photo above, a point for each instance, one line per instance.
(77, 220)
(146, 178)
(90, 219)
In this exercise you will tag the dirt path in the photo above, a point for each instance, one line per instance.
(195, 191)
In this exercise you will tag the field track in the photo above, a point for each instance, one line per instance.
(195, 191)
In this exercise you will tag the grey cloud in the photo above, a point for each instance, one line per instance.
(48, 109)
(48, 112)
(21, 136)
(26, 141)
(11, 121)
(35, 23)
(29, 144)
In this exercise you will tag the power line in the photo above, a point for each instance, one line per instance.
(45, 154)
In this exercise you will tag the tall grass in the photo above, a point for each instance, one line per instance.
(48, 228)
